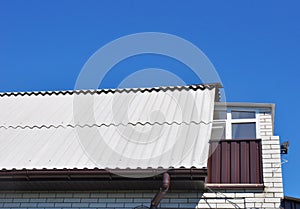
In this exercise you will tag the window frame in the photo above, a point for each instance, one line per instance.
(230, 121)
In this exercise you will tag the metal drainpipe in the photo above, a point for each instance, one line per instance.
(163, 190)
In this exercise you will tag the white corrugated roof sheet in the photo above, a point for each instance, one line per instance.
(130, 128)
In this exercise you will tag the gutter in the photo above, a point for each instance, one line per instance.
(163, 190)
(100, 179)
(104, 174)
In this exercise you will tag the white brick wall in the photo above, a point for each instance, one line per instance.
(271, 159)
(265, 122)
(111, 199)
(130, 199)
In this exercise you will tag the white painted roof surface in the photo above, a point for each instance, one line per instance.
(131, 128)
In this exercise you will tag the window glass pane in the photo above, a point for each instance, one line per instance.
(242, 114)
(218, 130)
(243, 131)
(220, 115)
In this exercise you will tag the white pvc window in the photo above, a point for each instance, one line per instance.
(219, 124)
(243, 130)
(235, 123)
(238, 114)
(242, 124)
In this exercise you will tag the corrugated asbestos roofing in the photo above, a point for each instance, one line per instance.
(163, 127)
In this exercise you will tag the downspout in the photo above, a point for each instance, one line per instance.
(163, 190)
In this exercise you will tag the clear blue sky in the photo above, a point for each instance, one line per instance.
(254, 45)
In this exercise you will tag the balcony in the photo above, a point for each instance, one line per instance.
(235, 163)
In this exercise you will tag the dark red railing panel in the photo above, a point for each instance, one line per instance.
(225, 162)
(215, 162)
(255, 162)
(245, 162)
(235, 162)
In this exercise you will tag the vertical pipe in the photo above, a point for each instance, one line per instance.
(163, 190)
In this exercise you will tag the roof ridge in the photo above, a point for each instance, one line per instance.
(193, 87)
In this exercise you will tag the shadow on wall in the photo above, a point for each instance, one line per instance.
(181, 199)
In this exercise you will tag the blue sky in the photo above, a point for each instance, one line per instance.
(254, 45)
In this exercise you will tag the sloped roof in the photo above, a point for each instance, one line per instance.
(121, 128)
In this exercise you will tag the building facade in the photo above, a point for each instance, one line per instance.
(43, 166)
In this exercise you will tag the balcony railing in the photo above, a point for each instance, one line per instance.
(235, 162)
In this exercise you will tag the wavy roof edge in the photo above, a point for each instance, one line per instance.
(121, 90)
